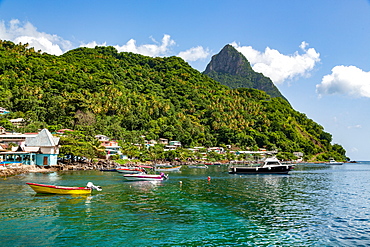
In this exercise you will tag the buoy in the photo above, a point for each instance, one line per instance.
(180, 182)
(209, 178)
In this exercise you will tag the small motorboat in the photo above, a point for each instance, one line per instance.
(130, 170)
(108, 170)
(168, 169)
(145, 177)
(63, 190)
(163, 165)
(198, 166)
(269, 166)
(334, 162)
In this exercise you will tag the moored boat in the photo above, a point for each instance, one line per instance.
(168, 169)
(108, 170)
(130, 170)
(334, 162)
(63, 190)
(145, 177)
(269, 166)
(198, 166)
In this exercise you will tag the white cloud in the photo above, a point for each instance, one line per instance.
(357, 126)
(17, 32)
(93, 44)
(153, 50)
(194, 54)
(158, 49)
(27, 33)
(346, 80)
(280, 67)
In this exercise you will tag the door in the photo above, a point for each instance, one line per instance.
(45, 163)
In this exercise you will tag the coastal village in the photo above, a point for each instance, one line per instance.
(39, 152)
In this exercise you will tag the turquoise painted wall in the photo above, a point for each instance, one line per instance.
(51, 159)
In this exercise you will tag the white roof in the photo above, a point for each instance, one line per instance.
(43, 139)
(16, 120)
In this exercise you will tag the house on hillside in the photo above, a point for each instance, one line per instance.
(3, 111)
(163, 141)
(17, 122)
(299, 155)
(150, 143)
(111, 146)
(63, 131)
(175, 143)
(102, 138)
(16, 138)
(219, 150)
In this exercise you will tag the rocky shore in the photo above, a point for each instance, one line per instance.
(15, 169)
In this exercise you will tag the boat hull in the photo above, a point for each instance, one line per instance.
(143, 177)
(108, 170)
(52, 189)
(199, 167)
(168, 169)
(130, 170)
(283, 169)
(335, 163)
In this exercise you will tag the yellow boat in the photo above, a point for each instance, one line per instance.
(53, 189)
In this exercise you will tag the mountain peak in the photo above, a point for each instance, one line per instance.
(230, 61)
(231, 68)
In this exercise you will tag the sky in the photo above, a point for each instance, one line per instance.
(317, 52)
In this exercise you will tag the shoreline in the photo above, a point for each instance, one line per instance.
(17, 169)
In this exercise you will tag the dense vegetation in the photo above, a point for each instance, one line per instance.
(125, 95)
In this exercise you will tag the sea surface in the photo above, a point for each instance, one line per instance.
(315, 205)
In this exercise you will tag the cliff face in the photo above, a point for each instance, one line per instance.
(232, 69)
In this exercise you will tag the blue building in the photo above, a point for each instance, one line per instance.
(47, 145)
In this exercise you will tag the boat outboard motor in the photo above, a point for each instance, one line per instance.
(92, 186)
(164, 175)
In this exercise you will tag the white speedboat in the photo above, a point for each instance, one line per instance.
(333, 162)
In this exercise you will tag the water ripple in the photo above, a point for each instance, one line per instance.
(316, 205)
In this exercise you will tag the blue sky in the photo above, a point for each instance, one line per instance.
(316, 52)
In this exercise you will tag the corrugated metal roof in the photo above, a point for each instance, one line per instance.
(43, 139)
(31, 149)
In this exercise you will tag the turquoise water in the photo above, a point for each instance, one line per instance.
(315, 205)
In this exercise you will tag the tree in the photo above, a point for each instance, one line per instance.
(75, 145)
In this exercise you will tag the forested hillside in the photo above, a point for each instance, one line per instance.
(125, 95)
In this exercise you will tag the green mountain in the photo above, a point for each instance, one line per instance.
(232, 69)
(125, 95)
